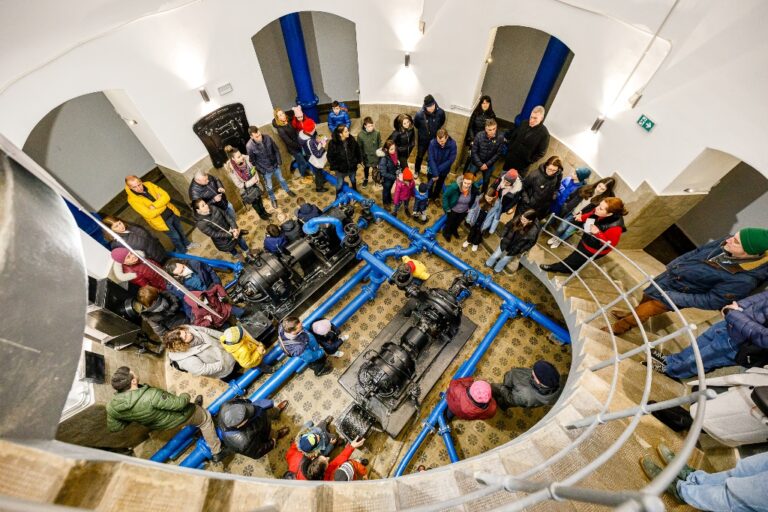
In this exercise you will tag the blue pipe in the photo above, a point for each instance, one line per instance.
(312, 226)
(293, 37)
(445, 432)
(465, 370)
(181, 441)
(202, 452)
(549, 69)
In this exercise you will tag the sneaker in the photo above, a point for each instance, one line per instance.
(474, 248)
(338, 354)
(193, 245)
(344, 337)
(292, 193)
(651, 470)
(465, 245)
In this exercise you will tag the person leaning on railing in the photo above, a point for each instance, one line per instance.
(710, 277)
(605, 223)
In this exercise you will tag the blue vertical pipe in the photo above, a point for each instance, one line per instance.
(293, 37)
(465, 370)
(549, 69)
(445, 432)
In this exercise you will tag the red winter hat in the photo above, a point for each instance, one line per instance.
(407, 174)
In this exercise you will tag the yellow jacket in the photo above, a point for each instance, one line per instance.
(142, 205)
(418, 269)
(247, 352)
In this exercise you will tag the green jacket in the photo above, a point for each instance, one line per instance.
(369, 143)
(451, 194)
(152, 407)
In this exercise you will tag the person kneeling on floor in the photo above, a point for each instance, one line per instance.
(528, 387)
(246, 426)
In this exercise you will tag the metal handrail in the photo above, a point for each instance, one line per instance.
(562, 489)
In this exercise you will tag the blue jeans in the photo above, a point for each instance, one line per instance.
(268, 181)
(498, 260)
(716, 352)
(741, 489)
(176, 234)
(301, 161)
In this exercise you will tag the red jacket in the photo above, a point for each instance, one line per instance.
(145, 275)
(462, 406)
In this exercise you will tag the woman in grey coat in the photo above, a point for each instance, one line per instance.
(197, 350)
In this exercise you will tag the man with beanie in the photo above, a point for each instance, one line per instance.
(246, 426)
(329, 337)
(528, 387)
(157, 409)
(741, 339)
(427, 121)
(709, 277)
(470, 399)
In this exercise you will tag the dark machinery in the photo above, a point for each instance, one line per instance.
(405, 360)
(280, 285)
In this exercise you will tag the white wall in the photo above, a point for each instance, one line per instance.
(718, 59)
(89, 148)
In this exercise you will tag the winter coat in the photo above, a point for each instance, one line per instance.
(140, 203)
(201, 317)
(441, 158)
(252, 439)
(288, 135)
(477, 124)
(514, 243)
(452, 191)
(165, 313)
(264, 156)
(691, 281)
(539, 190)
(154, 408)
(521, 392)
(291, 231)
(405, 140)
(461, 404)
(144, 275)
(304, 345)
(751, 324)
(568, 186)
(275, 244)
(141, 240)
(208, 192)
(344, 156)
(611, 228)
(217, 225)
(208, 359)
(308, 211)
(336, 120)
(486, 151)
(525, 145)
(369, 143)
(427, 124)
(491, 218)
(241, 184)
(388, 169)
(247, 352)
(403, 191)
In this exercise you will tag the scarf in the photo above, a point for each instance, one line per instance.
(243, 171)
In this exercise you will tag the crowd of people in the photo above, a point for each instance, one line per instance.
(497, 179)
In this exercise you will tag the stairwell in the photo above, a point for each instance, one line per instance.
(64, 475)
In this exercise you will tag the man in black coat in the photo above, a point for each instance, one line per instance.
(427, 121)
(527, 142)
(209, 188)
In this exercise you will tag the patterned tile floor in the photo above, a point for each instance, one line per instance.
(520, 343)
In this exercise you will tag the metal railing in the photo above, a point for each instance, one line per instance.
(646, 498)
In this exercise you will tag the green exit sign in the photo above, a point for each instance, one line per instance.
(645, 123)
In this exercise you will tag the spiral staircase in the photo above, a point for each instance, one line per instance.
(582, 456)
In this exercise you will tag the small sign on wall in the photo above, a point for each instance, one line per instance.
(645, 123)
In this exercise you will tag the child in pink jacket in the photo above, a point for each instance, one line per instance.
(403, 191)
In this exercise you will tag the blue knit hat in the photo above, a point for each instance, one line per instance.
(546, 374)
(308, 442)
(583, 173)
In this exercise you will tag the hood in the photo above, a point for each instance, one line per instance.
(126, 400)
